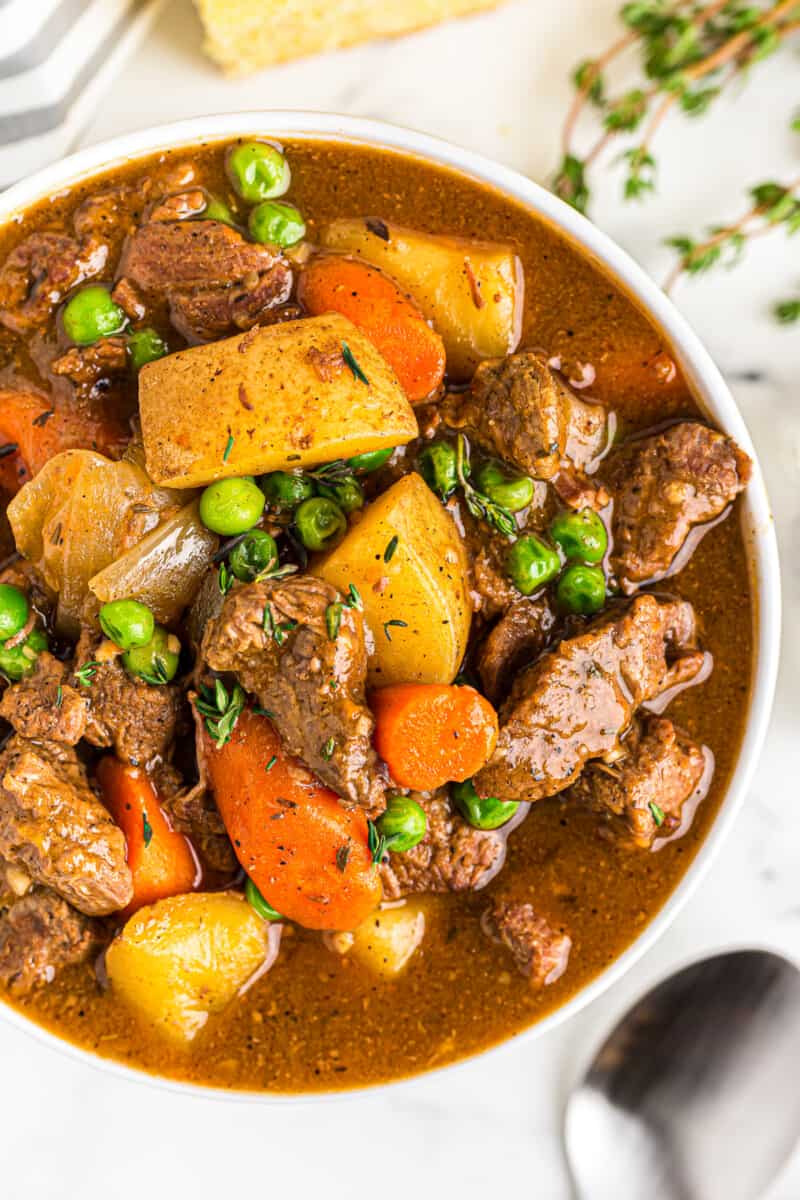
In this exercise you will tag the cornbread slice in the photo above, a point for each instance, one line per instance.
(244, 35)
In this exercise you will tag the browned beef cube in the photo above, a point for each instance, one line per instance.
(666, 486)
(53, 826)
(452, 857)
(276, 637)
(576, 702)
(39, 935)
(540, 952)
(644, 793)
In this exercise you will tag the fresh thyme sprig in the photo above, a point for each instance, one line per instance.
(688, 53)
(481, 507)
(221, 709)
(774, 205)
(333, 473)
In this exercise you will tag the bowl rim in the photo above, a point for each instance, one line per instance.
(698, 366)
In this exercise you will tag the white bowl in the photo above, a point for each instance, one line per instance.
(699, 369)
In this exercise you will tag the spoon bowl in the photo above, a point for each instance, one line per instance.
(695, 1093)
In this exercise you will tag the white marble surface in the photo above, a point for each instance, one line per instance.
(496, 83)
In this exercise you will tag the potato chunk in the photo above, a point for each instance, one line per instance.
(183, 958)
(272, 399)
(416, 605)
(470, 291)
(387, 939)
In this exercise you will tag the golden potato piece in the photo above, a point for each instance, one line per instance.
(183, 958)
(416, 604)
(470, 291)
(271, 399)
(387, 939)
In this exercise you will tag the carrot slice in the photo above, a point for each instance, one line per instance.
(429, 734)
(39, 430)
(162, 861)
(373, 302)
(307, 855)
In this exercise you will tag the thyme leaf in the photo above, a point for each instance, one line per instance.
(350, 359)
(85, 674)
(387, 625)
(221, 709)
(376, 843)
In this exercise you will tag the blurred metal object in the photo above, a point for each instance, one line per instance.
(696, 1093)
(56, 59)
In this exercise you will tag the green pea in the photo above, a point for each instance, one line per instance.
(348, 494)
(513, 492)
(372, 460)
(17, 661)
(157, 661)
(437, 465)
(14, 611)
(276, 224)
(582, 590)
(255, 553)
(320, 523)
(482, 812)
(259, 904)
(92, 314)
(231, 506)
(581, 535)
(217, 210)
(531, 563)
(144, 346)
(258, 172)
(284, 489)
(127, 622)
(403, 824)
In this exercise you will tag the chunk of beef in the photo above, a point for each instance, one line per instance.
(107, 217)
(39, 935)
(164, 256)
(179, 206)
(111, 215)
(452, 857)
(524, 412)
(53, 826)
(665, 486)
(138, 719)
(576, 702)
(514, 641)
(193, 811)
(491, 590)
(644, 792)
(314, 684)
(540, 952)
(127, 297)
(84, 365)
(210, 313)
(214, 280)
(39, 272)
(43, 705)
(25, 576)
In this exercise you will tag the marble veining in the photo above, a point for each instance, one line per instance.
(495, 83)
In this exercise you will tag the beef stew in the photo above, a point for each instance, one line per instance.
(375, 619)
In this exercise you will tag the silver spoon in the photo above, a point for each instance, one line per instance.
(696, 1093)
